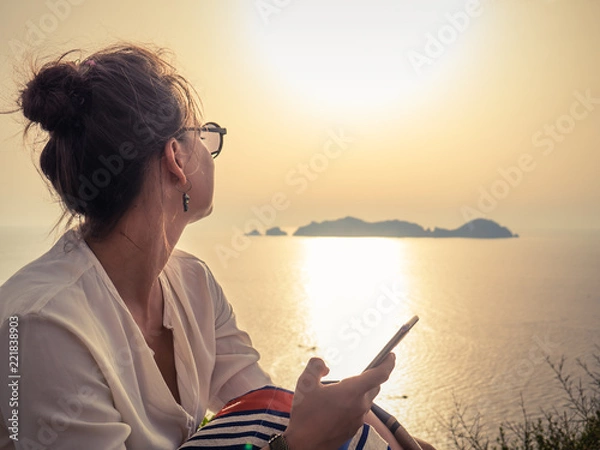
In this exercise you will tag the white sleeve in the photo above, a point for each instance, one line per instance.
(236, 368)
(63, 399)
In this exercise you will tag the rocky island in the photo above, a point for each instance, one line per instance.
(351, 226)
(275, 231)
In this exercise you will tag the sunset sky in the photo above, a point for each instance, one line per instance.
(433, 112)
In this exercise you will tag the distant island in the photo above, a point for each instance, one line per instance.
(351, 226)
(275, 231)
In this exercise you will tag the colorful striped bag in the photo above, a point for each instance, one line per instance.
(247, 423)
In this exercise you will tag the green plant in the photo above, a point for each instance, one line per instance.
(575, 427)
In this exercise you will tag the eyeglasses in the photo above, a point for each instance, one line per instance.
(211, 135)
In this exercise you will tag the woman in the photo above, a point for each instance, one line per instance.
(123, 341)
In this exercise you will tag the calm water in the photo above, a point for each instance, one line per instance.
(491, 311)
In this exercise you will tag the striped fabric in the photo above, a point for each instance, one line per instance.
(247, 423)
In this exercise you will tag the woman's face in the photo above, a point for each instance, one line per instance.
(200, 169)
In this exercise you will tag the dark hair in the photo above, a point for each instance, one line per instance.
(107, 117)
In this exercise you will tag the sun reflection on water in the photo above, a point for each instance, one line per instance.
(358, 294)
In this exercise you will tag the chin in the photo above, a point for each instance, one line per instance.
(201, 214)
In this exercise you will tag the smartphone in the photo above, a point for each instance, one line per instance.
(404, 329)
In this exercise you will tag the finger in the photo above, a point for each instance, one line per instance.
(377, 375)
(317, 367)
(312, 374)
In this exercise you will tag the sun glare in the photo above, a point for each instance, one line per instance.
(345, 57)
(357, 289)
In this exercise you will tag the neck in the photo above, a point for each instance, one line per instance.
(133, 256)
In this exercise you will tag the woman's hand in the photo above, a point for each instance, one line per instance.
(323, 417)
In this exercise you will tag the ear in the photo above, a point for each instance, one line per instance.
(174, 159)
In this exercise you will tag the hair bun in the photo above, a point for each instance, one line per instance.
(56, 98)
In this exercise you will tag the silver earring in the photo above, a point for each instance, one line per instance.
(186, 202)
(186, 198)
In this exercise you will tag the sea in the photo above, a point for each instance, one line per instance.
(494, 314)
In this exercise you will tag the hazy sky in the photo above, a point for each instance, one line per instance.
(427, 111)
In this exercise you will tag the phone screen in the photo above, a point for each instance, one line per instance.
(404, 329)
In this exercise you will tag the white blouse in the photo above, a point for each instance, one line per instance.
(85, 377)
